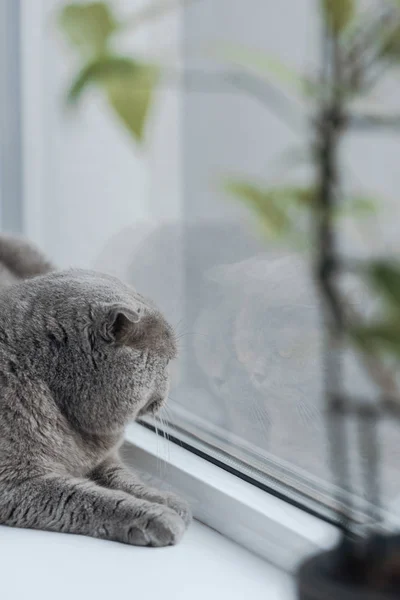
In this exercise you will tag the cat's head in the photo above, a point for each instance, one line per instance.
(277, 333)
(103, 349)
(276, 321)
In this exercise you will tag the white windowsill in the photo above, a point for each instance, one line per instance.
(37, 565)
(267, 526)
(40, 565)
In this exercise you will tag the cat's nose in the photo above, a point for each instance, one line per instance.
(153, 405)
(156, 403)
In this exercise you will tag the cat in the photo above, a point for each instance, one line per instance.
(81, 354)
(210, 265)
(261, 346)
(167, 262)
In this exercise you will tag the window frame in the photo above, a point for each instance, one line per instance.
(11, 163)
(266, 525)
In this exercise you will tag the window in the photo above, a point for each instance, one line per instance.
(249, 386)
(247, 389)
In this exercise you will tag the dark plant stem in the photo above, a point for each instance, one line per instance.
(369, 446)
(330, 127)
(332, 124)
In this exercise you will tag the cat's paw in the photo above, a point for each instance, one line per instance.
(164, 528)
(180, 506)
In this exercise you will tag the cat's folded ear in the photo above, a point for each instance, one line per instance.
(119, 322)
(137, 327)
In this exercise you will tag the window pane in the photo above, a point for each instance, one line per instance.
(248, 385)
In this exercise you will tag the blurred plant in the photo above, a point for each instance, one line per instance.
(128, 82)
(358, 50)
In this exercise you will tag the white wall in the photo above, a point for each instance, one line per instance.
(84, 178)
(229, 132)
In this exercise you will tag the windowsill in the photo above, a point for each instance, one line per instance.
(206, 564)
(41, 566)
(273, 529)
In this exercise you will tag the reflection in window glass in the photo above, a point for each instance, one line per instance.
(247, 388)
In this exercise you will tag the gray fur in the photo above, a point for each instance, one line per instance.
(20, 260)
(81, 354)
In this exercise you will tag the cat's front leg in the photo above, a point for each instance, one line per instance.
(113, 474)
(70, 505)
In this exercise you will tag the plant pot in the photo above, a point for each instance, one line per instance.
(332, 576)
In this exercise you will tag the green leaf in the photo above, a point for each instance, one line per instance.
(378, 337)
(272, 214)
(88, 27)
(276, 208)
(385, 276)
(358, 206)
(362, 205)
(101, 70)
(338, 13)
(264, 66)
(390, 44)
(131, 97)
(287, 198)
(128, 84)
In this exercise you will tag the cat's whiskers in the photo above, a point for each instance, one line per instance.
(157, 446)
(167, 441)
(167, 415)
(310, 415)
(163, 454)
(261, 415)
(264, 416)
(186, 333)
(161, 441)
(177, 325)
(181, 347)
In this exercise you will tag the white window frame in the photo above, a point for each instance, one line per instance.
(264, 524)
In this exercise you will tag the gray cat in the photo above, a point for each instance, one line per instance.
(259, 346)
(81, 354)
